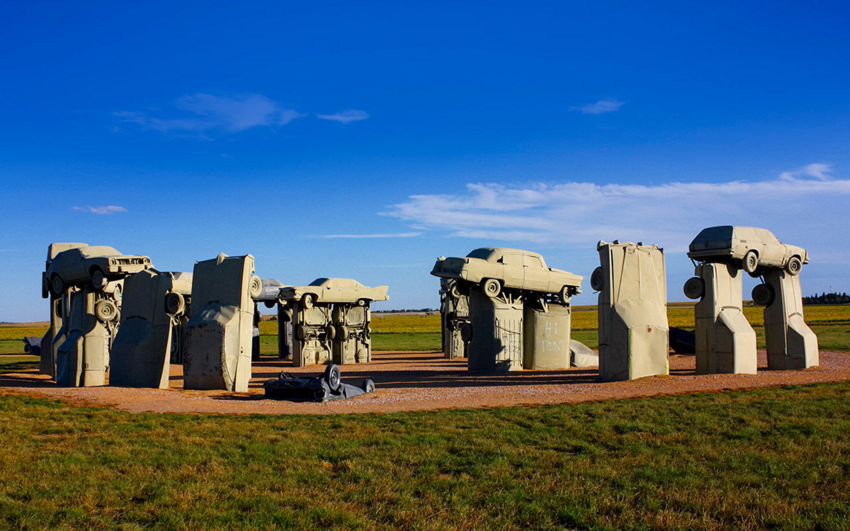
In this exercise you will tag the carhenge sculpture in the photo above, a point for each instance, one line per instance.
(270, 297)
(725, 341)
(331, 320)
(518, 309)
(151, 328)
(85, 284)
(633, 328)
(219, 331)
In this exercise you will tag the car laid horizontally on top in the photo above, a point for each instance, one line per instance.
(498, 268)
(749, 247)
(95, 264)
(334, 290)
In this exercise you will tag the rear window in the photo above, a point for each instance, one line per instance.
(483, 254)
(318, 282)
(712, 238)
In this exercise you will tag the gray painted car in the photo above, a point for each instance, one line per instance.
(497, 268)
(334, 290)
(750, 247)
(95, 264)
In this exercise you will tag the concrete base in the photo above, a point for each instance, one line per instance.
(496, 344)
(791, 344)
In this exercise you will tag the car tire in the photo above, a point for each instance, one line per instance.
(342, 332)
(361, 302)
(333, 376)
(175, 303)
(794, 266)
(255, 286)
(301, 332)
(269, 304)
(106, 311)
(596, 280)
(694, 288)
(750, 262)
(286, 315)
(492, 288)
(454, 290)
(564, 295)
(330, 331)
(368, 386)
(58, 285)
(763, 295)
(98, 279)
(307, 300)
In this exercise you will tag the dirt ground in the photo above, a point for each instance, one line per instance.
(408, 381)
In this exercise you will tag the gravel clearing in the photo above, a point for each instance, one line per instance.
(409, 381)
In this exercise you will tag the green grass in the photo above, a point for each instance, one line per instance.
(17, 363)
(770, 458)
(402, 341)
(11, 346)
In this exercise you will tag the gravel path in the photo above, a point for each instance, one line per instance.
(408, 381)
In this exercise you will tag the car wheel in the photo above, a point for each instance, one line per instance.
(763, 295)
(174, 303)
(342, 332)
(285, 315)
(98, 279)
(255, 286)
(332, 376)
(596, 280)
(57, 285)
(750, 262)
(307, 300)
(106, 311)
(454, 290)
(45, 287)
(694, 288)
(301, 332)
(269, 304)
(466, 332)
(564, 295)
(368, 386)
(492, 288)
(361, 302)
(330, 331)
(794, 266)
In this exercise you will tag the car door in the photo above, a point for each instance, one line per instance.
(535, 274)
(772, 252)
(513, 270)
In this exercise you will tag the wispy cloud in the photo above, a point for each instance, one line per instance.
(100, 210)
(600, 107)
(345, 117)
(200, 113)
(795, 203)
(819, 171)
(387, 235)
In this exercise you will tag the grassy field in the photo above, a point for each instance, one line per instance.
(770, 458)
(417, 332)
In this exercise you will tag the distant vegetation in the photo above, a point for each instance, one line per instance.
(828, 298)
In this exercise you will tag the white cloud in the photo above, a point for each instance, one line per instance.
(819, 171)
(600, 107)
(386, 235)
(345, 117)
(100, 210)
(797, 205)
(198, 113)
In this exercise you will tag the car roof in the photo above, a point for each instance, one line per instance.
(336, 283)
(490, 253)
(99, 250)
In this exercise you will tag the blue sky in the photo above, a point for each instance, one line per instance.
(364, 140)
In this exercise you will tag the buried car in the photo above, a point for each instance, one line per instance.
(497, 268)
(333, 291)
(750, 247)
(97, 264)
(323, 388)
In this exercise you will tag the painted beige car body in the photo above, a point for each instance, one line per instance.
(335, 290)
(750, 247)
(91, 263)
(511, 268)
